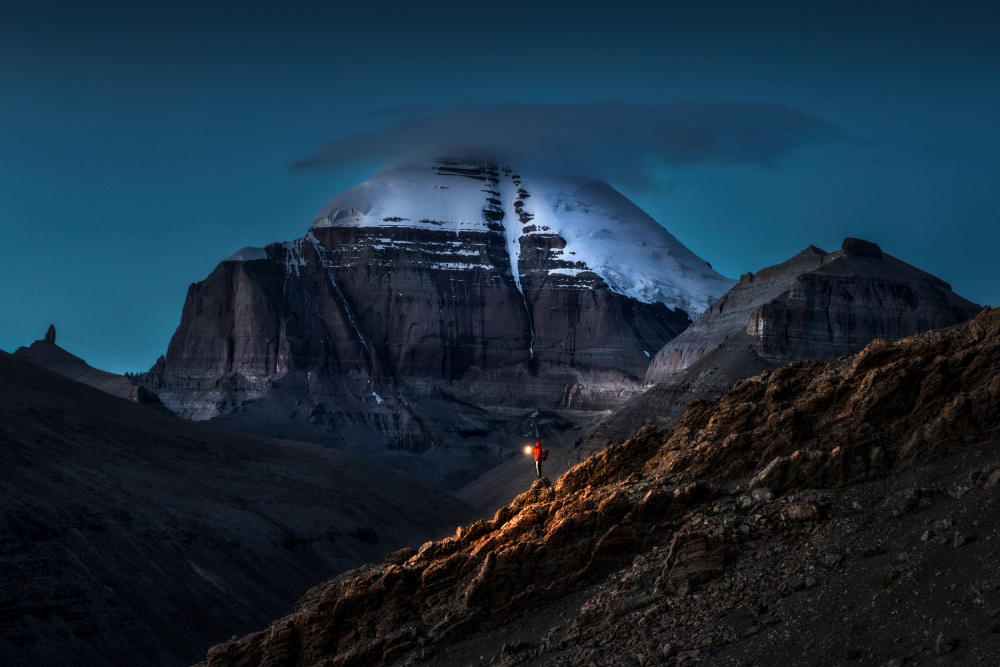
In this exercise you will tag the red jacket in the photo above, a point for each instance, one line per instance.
(538, 451)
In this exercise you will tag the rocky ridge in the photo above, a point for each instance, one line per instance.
(877, 415)
(816, 305)
(866, 574)
(47, 354)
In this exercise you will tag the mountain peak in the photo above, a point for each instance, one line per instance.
(430, 301)
(604, 232)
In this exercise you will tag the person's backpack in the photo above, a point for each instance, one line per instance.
(544, 455)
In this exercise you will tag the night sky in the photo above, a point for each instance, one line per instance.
(143, 143)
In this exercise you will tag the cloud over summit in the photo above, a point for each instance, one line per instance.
(614, 139)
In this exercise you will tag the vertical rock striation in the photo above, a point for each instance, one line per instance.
(433, 305)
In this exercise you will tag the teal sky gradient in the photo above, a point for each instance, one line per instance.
(141, 146)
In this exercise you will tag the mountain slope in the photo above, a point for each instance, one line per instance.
(816, 305)
(820, 305)
(436, 307)
(133, 537)
(879, 413)
(47, 354)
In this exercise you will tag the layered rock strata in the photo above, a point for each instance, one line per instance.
(434, 305)
(818, 305)
(892, 407)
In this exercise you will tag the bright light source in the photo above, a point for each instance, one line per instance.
(528, 450)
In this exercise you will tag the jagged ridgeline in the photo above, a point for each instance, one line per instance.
(437, 305)
(889, 408)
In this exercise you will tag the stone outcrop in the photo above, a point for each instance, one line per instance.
(545, 543)
(892, 407)
(435, 306)
(694, 558)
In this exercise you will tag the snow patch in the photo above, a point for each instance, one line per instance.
(605, 231)
(248, 254)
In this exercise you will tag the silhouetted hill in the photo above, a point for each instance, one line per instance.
(132, 537)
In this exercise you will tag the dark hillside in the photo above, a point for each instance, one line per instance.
(132, 537)
(647, 507)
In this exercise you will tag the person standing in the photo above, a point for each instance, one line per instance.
(538, 459)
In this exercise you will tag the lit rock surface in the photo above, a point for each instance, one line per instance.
(662, 528)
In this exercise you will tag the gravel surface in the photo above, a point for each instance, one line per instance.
(900, 571)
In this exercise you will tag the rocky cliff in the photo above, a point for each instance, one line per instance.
(440, 305)
(651, 501)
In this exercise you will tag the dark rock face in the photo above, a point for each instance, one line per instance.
(413, 333)
(859, 248)
(847, 303)
(729, 316)
(50, 335)
(820, 305)
(882, 412)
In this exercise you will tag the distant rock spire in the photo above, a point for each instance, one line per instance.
(50, 335)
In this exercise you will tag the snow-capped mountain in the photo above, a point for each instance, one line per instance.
(604, 233)
(442, 306)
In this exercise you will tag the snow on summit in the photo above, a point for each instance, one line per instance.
(605, 233)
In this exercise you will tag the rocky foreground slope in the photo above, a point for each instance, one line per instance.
(646, 507)
(131, 537)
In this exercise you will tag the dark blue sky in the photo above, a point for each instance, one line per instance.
(141, 145)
